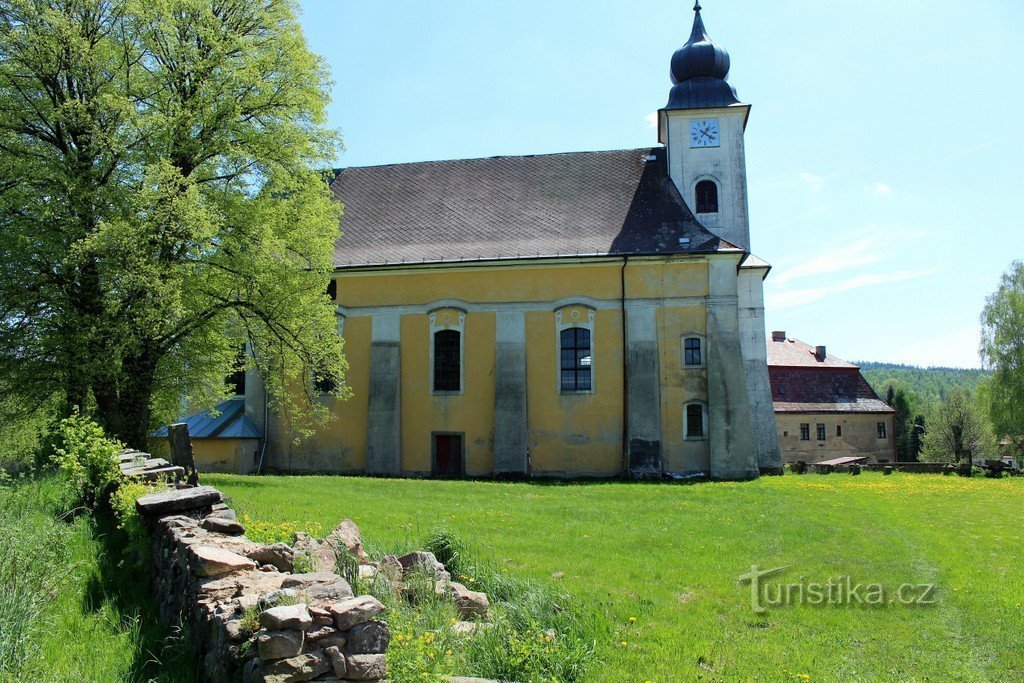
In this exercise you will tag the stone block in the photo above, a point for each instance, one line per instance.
(365, 667)
(304, 667)
(278, 555)
(470, 603)
(211, 561)
(424, 561)
(338, 664)
(348, 613)
(180, 500)
(279, 644)
(223, 526)
(293, 617)
(368, 638)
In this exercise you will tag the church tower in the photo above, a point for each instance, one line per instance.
(702, 128)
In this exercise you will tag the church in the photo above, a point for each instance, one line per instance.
(590, 314)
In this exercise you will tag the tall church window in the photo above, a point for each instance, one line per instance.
(707, 197)
(447, 360)
(576, 359)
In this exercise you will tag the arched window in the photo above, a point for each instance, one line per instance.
(707, 197)
(576, 359)
(447, 360)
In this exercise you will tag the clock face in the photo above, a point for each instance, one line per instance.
(704, 133)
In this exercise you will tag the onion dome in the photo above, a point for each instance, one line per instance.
(699, 72)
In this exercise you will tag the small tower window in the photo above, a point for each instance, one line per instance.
(707, 197)
(691, 351)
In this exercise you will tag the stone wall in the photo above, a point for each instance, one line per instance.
(243, 608)
(250, 615)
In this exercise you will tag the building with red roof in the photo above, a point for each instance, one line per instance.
(824, 408)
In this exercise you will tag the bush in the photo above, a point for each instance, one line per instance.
(87, 459)
(130, 522)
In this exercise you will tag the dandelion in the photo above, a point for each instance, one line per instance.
(632, 620)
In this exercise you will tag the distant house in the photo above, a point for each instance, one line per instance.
(224, 439)
(1010, 454)
(824, 408)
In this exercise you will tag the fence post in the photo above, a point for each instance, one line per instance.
(181, 451)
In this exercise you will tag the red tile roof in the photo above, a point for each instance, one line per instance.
(803, 384)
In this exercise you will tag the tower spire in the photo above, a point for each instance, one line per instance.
(699, 71)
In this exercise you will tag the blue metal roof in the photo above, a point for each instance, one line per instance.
(226, 420)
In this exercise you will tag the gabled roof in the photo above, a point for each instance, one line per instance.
(580, 203)
(803, 384)
(795, 353)
(226, 420)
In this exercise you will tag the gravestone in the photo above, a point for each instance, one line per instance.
(181, 451)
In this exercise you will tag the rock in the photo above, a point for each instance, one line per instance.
(294, 617)
(365, 667)
(246, 601)
(426, 562)
(309, 579)
(367, 571)
(327, 593)
(279, 644)
(321, 617)
(321, 554)
(278, 555)
(368, 638)
(337, 661)
(348, 613)
(301, 668)
(233, 630)
(346, 536)
(317, 632)
(267, 568)
(251, 671)
(211, 561)
(390, 567)
(338, 640)
(469, 603)
(166, 502)
(223, 526)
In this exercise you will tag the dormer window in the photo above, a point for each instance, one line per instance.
(707, 197)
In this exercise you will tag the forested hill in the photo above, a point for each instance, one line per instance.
(930, 384)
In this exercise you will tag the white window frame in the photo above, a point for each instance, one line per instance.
(575, 315)
(448, 318)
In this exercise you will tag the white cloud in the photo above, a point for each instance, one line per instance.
(781, 298)
(881, 190)
(652, 119)
(854, 250)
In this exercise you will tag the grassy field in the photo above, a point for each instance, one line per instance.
(69, 611)
(662, 563)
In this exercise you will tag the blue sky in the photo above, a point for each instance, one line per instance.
(885, 155)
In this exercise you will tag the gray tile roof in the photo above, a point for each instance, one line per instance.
(581, 203)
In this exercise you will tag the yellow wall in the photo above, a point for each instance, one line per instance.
(860, 436)
(237, 456)
(567, 433)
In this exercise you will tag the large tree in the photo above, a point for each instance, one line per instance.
(162, 203)
(1002, 351)
(957, 427)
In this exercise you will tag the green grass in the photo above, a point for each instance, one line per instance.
(668, 557)
(68, 610)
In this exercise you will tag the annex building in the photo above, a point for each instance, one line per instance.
(824, 407)
(582, 314)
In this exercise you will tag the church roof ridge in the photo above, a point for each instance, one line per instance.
(640, 150)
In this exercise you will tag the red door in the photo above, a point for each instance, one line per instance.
(448, 455)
